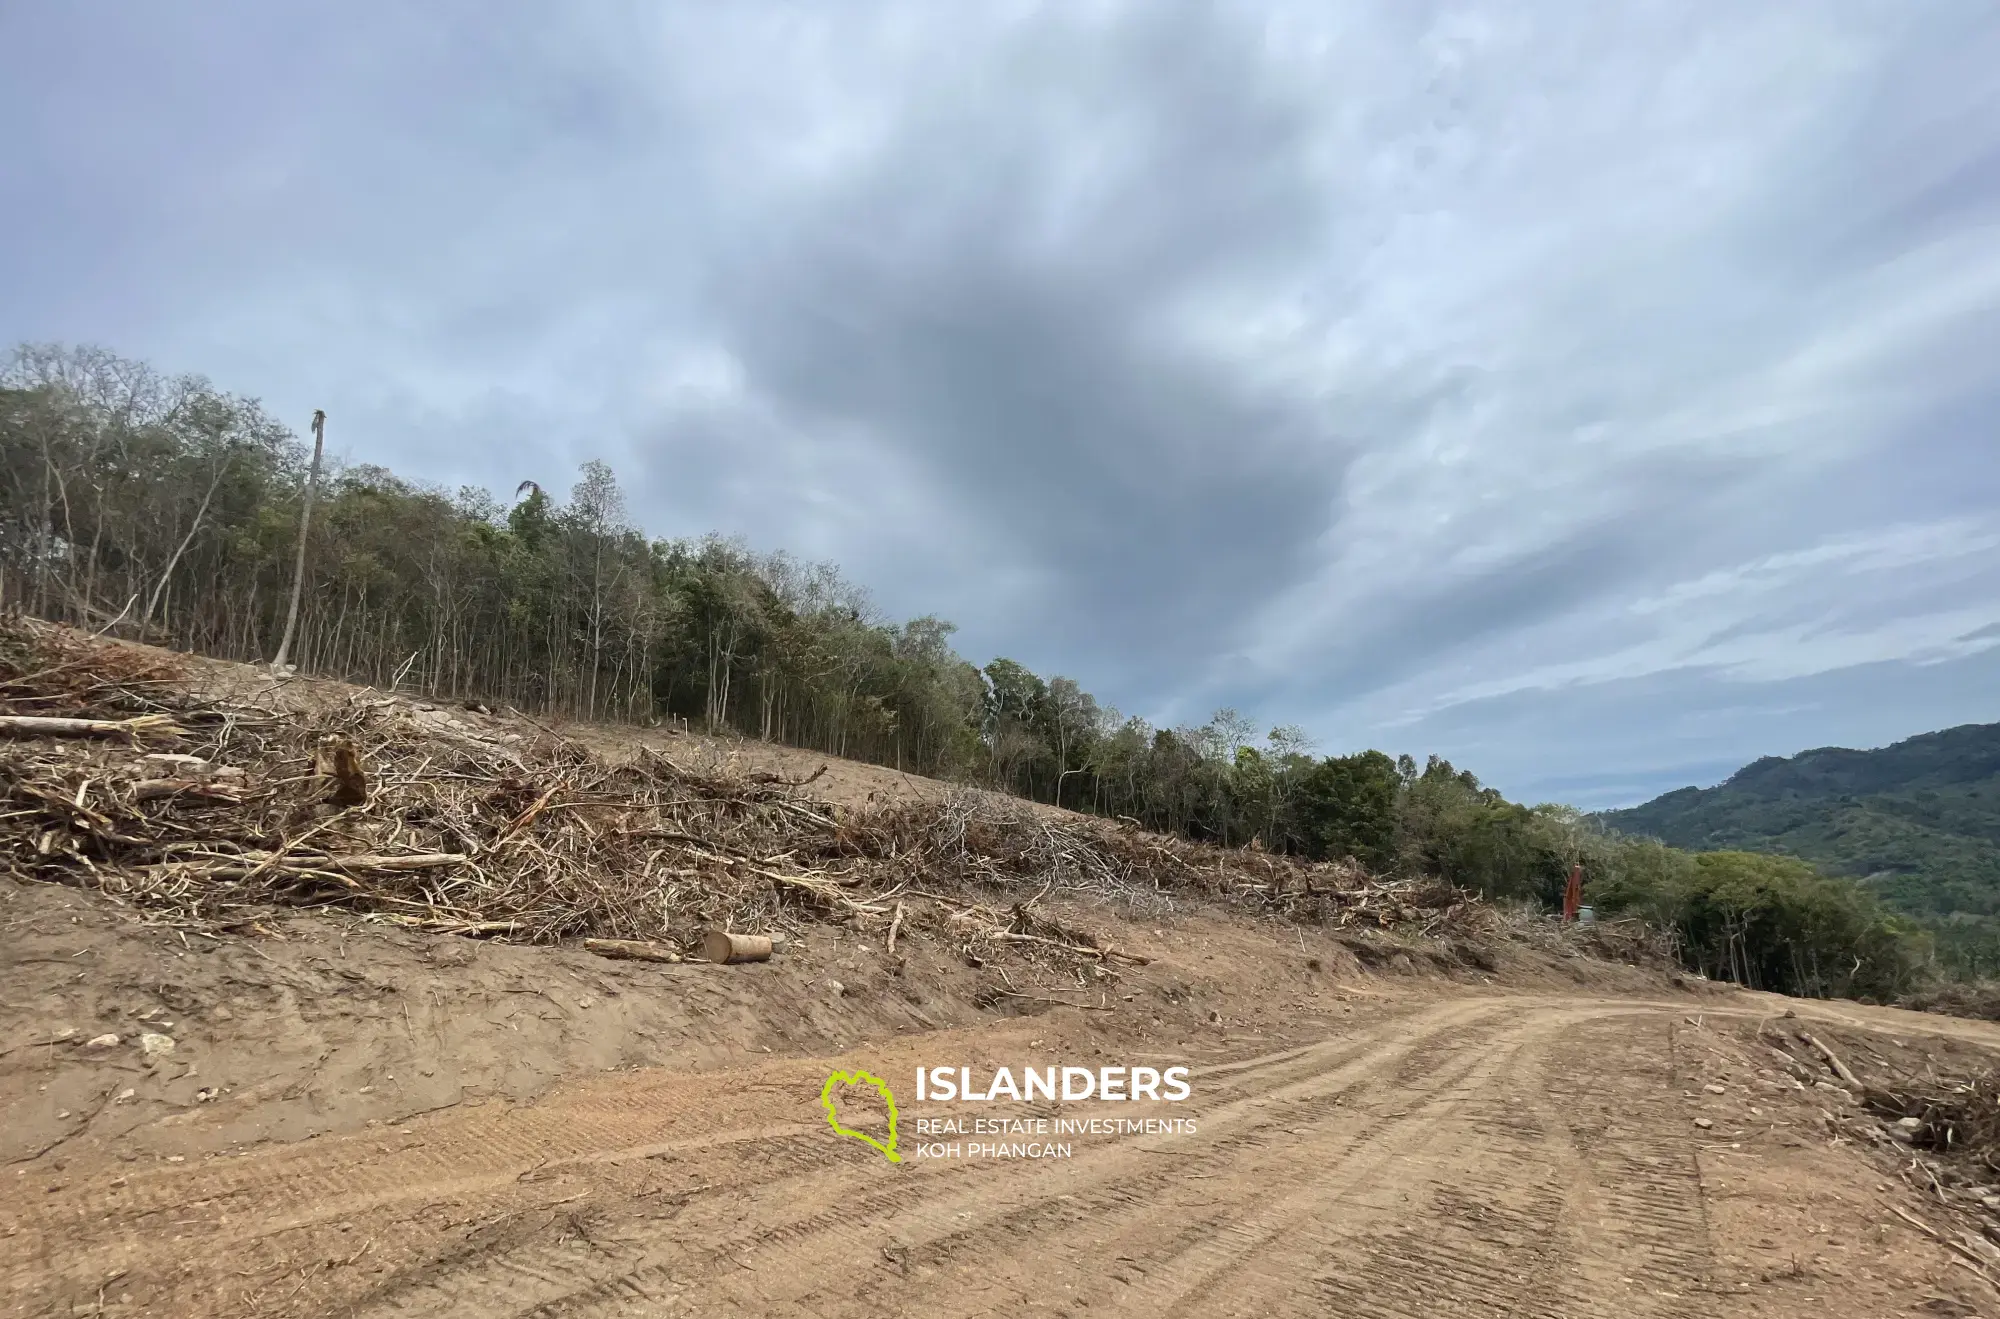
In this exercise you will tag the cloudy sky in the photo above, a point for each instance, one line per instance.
(1600, 395)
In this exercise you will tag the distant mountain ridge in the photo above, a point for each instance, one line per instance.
(1918, 822)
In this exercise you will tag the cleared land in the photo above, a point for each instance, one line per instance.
(356, 1118)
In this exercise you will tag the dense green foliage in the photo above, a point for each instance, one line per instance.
(1918, 823)
(1770, 922)
(167, 510)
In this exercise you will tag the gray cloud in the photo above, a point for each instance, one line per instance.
(1440, 376)
(1001, 340)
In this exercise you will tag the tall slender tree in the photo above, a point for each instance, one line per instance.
(305, 523)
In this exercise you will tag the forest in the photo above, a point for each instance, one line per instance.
(161, 508)
(1916, 823)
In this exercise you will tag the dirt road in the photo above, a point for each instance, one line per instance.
(1464, 1156)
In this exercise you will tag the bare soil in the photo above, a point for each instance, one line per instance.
(357, 1119)
(365, 1121)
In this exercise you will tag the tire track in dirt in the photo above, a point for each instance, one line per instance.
(833, 1254)
(1485, 1238)
(622, 1118)
(1641, 1188)
(1137, 1214)
(272, 1202)
(790, 1216)
(1498, 1217)
(1485, 1225)
(266, 1194)
(1521, 1157)
(1379, 1231)
(1240, 1236)
(1454, 1210)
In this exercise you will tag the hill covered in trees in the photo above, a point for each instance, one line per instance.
(1918, 823)
(166, 510)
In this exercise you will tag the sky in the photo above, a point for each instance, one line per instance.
(1601, 396)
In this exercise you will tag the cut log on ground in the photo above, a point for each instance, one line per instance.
(723, 947)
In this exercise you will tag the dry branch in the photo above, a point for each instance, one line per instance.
(1010, 936)
(1058, 1002)
(149, 789)
(251, 865)
(631, 950)
(1833, 1061)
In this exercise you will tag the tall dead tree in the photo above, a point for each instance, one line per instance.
(305, 522)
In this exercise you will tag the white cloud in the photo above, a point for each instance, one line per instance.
(1831, 606)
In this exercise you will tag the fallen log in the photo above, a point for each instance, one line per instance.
(630, 950)
(38, 725)
(362, 863)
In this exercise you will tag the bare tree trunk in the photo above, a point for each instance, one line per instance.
(299, 563)
(167, 576)
(40, 602)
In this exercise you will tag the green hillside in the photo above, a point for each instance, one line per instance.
(1918, 822)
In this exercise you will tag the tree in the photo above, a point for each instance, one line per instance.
(1772, 922)
(596, 517)
(1348, 806)
(1015, 698)
(1070, 720)
(299, 563)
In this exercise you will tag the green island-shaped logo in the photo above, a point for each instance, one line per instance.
(832, 1119)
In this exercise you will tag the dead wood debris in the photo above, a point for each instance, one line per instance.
(410, 816)
(630, 950)
(1939, 1126)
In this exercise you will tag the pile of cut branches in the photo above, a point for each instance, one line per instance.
(1956, 1115)
(1978, 999)
(1952, 1114)
(975, 839)
(1937, 1121)
(210, 812)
